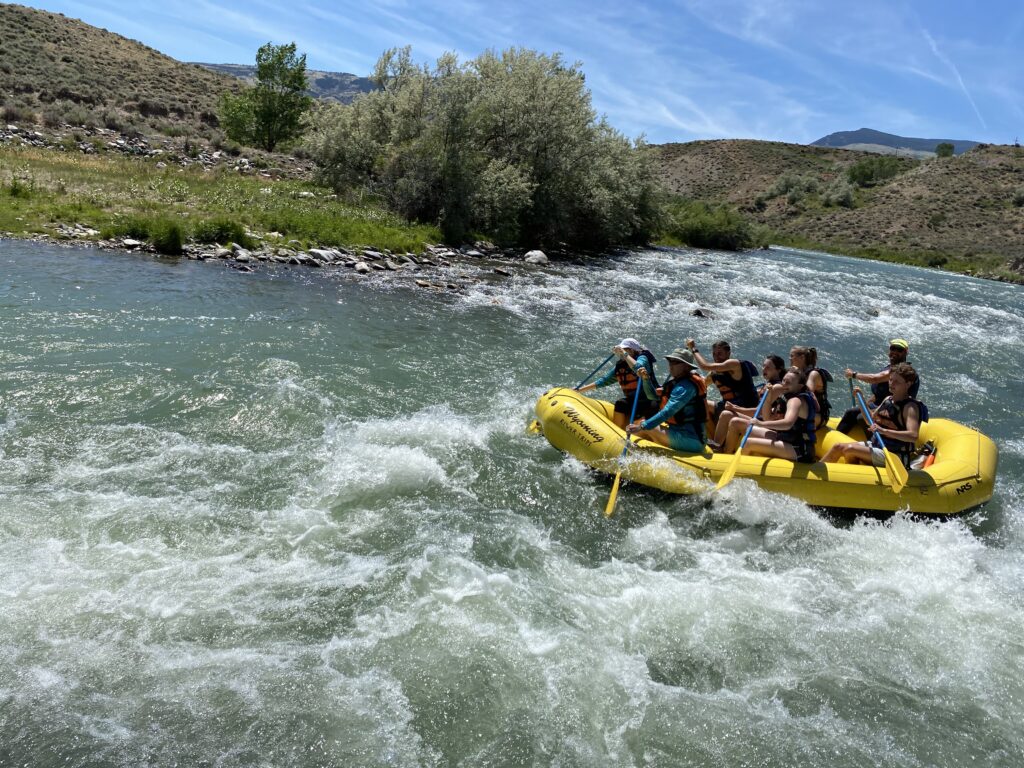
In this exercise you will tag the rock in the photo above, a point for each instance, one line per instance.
(322, 254)
(705, 313)
(129, 243)
(423, 284)
(371, 255)
(222, 253)
(391, 265)
(500, 271)
(474, 253)
(535, 257)
(242, 255)
(362, 267)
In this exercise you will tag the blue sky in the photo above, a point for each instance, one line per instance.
(784, 70)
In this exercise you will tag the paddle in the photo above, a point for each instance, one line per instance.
(897, 472)
(730, 471)
(610, 509)
(589, 375)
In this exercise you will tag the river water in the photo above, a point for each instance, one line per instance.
(292, 518)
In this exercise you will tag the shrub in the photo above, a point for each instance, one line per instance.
(22, 187)
(874, 170)
(17, 113)
(506, 145)
(1018, 197)
(704, 226)
(166, 236)
(840, 193)
(221, 231)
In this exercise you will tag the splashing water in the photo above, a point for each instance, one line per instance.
(291, 518)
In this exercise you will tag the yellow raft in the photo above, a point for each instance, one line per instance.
(962, 476)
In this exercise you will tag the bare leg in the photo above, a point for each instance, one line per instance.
(765, 446)
(737, 427)
(722, 430)
(853, 453)
(656, 435)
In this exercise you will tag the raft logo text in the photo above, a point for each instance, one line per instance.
(573, 416)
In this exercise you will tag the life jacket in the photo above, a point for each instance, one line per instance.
(627, 377)
(890, 415)
(802, 435)
(743, 392)
(695, 411)
(824, 406)
(880, 391)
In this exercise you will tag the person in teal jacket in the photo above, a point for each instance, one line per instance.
(683, 407)
(634, 358)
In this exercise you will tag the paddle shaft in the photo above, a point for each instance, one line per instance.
(608, 510)
(590, 375)
(730, 472)
(897, 472)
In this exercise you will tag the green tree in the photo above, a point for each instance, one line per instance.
(270, 113)
(506, 145)
(945, 149)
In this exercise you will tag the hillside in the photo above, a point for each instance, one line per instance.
(55, 69)
(870, 137)
(331, 86)
(965, 208)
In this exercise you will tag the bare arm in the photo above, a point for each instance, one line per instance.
(787, 421)
(867, 378)
(908, 435)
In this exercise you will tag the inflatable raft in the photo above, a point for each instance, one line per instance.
(962, 476)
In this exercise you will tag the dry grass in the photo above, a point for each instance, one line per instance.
(957, 213)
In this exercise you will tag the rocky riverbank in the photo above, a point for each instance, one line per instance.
(439, 267)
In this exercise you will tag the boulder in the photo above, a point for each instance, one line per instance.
(322, 254)
(535, 257)
(129, 243)
(362, 267)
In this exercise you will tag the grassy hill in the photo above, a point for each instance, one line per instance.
(964, 213)
(55, 70)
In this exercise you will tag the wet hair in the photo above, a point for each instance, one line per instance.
(810, 354)
(722, 344)
(778, 362)
(905, 371)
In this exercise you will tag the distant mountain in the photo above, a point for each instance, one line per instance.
(866, 136)
(336, 86)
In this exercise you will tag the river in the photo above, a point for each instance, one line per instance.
(291, 518)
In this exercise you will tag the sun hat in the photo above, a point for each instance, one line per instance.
(901, 343)
(681, 355)
(631, 343)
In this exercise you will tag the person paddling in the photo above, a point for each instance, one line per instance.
(772, 369)
(806, 359)
(897, 420)
(633, 357)
(898, 351)
(788, 433)
(682, 407)
(734, 378)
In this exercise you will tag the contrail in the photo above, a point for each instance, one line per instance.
(945, 60)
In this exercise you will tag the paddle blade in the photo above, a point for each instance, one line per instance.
(730, 471)
(898, 475)
(610, 509)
